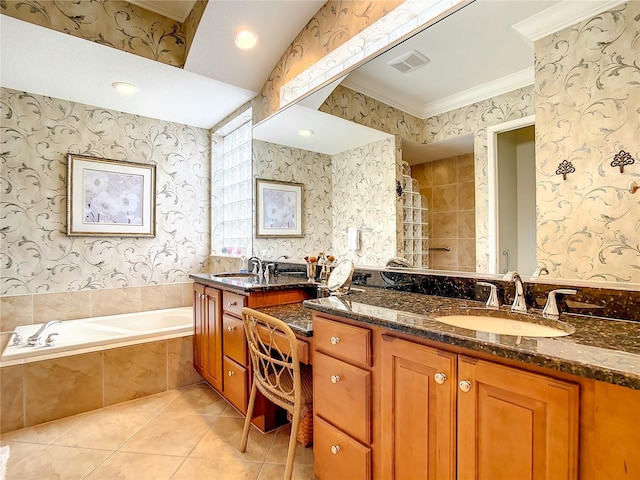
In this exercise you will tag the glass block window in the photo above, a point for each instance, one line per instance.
(232, 189)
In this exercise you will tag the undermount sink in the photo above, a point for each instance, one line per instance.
(236, 276)
(509, 326)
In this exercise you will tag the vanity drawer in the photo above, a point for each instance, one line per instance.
(234, 342)
(342, 395)
(337, 455)
(236, 385)
(232, 303)
(343, 341)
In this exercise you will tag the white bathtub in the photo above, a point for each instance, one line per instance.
(100, 333)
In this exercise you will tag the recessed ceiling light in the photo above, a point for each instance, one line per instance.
(245, 39)
(124, 88)
(305, 132)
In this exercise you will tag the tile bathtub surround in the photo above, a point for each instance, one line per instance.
(180, 434)
(16, 310)
(42, 391)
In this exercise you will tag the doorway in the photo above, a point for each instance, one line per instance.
(512, 197)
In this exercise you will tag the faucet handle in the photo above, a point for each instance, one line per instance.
(551, 307)
(17, 339)
(50, 341)
(492, 302)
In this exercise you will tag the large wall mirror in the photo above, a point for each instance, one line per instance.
(428, 152)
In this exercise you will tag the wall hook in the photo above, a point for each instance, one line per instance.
(633, 187)
(565, 167)
(621, 159)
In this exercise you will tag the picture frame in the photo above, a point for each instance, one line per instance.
(110, 197)
(278, 209)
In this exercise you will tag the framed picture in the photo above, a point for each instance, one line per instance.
(278, 209)
(110, 197)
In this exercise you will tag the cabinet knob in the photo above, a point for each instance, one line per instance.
(231, 373)
(231, 328)
(335, 449)
(335, 378)
(232, 304)
(440, 378)
(465, 385)
(335, 340)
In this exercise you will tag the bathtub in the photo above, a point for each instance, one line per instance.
(100, 333)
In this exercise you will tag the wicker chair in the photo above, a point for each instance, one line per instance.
(277, 373)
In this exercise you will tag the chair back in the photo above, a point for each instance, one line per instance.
(274, 358)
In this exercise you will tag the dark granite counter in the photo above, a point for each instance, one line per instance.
(603, 349)
(234, 281)
(298, 317)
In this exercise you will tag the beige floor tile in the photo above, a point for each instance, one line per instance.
(167, 435)
(229, 411)
(272, 471)
(107, 428)
(154, 403)
(136, 466)
(279, 449)
(60, 463)
(223, 441)
(199, 399)
(19, 451)
(218, 469)
(44, 433)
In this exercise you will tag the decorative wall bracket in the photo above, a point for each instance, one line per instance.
(564, 168)
(621, 159)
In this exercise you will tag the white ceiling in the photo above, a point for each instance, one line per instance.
(219, 79)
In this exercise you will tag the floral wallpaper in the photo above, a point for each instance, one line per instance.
(335, 23)
(114, 23)
(474, 118)
(587, 98)
(37, 257)
(364, 197)
(286, 164)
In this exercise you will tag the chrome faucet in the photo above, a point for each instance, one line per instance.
(519, 300)
(257, 265)
(34, 339)
(551, 307)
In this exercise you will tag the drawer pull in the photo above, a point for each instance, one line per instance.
(231, 373)
(335, 378)
(440, 378)
(231, 328)
(335, 449)
(465, 385)
(232, 304)
(335, 340)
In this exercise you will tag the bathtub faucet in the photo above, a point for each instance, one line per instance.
(34, 339)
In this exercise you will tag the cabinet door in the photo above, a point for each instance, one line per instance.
(199, 328)
(213, 364)
(515, 424)
(418, 411)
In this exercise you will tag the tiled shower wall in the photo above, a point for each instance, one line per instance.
(449, 186)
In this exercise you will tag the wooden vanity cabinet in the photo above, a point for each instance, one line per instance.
(221, 350)
(207, 338)
(442, 415)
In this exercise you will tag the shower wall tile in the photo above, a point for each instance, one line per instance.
(180, 363)
(465, 168)
(156, 297)
(445, 198)
(466, 196)
(62, 387)
(125, 379)
(467, 224)
(15, 310)
(11, 394)
(114, 301)
(61, 306)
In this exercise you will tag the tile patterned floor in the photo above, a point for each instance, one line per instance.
(186, 434)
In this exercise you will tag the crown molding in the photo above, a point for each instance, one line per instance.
(562, 15)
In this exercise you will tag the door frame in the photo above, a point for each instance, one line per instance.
(492, 182)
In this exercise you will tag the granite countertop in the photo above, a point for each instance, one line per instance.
(235, 281)
(603, 349)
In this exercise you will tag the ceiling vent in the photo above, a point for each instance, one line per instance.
(409, 61)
